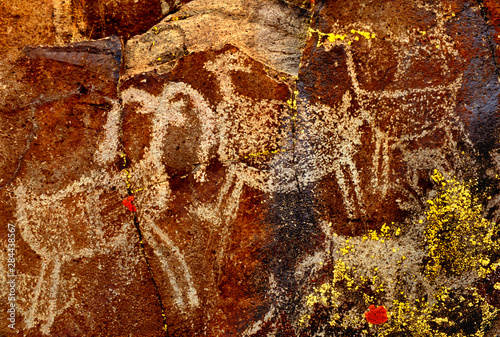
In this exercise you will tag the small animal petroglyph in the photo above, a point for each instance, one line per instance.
(393, 120)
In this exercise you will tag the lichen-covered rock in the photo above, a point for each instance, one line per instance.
(383, 102)
(251, 168)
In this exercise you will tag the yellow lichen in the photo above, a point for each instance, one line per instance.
(127, 173)
(263, 153)
(366, 35)
(458, 237)
(292, 102)
(303, 319)
(332, 37)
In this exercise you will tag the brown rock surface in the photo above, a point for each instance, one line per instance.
(198, 142)
(389, 114)
(250, 168)
(270, 32)
(77, 247)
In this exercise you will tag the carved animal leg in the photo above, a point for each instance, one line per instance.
(191, 293)
(30, 319)
(48, 285)
(52, 287)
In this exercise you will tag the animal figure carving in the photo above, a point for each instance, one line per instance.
(374, 142)
(181, 111)
(51, 223)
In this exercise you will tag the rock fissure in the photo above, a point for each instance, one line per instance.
(493, 56)
(20, 161)
(142, 247)
(151, 274)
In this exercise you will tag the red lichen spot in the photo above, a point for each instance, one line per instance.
(128, 203)
(376, 315)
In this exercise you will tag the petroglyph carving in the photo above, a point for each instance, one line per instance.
(165, 113)
(394, 120)
(181, 106)
(51, 223)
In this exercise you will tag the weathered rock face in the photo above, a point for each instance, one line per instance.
(76, 247)
(385, 99)
(269, 32)
(251, 168)
(126, 18)
(198, 141)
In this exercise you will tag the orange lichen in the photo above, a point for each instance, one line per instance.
(128, 203)
(376, 315)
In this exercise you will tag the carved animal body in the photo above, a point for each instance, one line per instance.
(371, 148)
(178, 112)
(51, 223)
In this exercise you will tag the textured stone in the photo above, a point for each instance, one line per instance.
(399, 105)
(251, 168)
(78, 256)
(198, 142)
(270, 32)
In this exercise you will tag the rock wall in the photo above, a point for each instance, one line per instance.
(250, 168)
